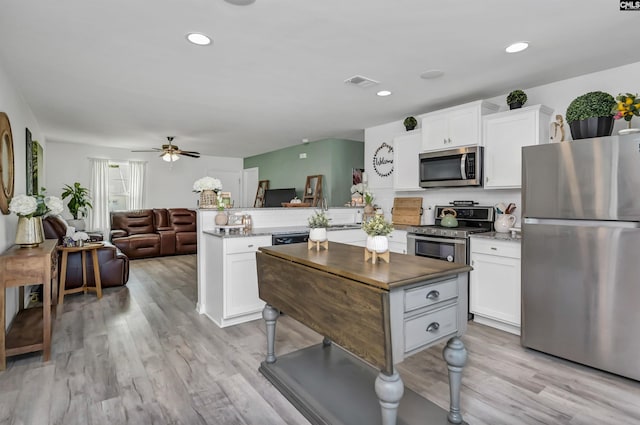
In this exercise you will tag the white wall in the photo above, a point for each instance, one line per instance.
(557, 95)
(167, 185)
(20, 117)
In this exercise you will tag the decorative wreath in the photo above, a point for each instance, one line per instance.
(379, 161)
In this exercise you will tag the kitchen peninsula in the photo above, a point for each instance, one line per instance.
(227, 278)
(381, 313)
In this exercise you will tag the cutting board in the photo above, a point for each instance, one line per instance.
(406, 211)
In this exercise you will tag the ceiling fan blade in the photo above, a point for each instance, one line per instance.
(191, 152)
(148, 150)
(192, 155)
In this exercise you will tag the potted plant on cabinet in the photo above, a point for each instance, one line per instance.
(78, 205)
(627, 106)
(410, 123)
(589, 115)
(516, 99)
(377, 230)
(318, 224)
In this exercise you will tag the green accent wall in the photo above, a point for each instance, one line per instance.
(332, 158)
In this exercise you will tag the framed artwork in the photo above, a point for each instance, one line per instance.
(226, 199)
(35, 161)
(356, 175)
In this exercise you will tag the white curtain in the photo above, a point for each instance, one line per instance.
(136, 184)
(99, 214)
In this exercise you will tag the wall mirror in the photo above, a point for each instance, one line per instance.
(6, 163)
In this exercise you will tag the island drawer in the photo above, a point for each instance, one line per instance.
(424, 296)
(427, 328)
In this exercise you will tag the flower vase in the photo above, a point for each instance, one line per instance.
(318, 234)
(78, 224)
(208, 199)
(379, 244)
(30, 232)
(221, 218)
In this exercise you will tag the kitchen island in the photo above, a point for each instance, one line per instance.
(380, 313)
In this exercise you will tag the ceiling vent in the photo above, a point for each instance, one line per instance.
(360, 81)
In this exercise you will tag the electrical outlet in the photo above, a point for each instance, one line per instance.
(303, 156)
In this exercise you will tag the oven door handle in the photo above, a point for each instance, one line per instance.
(463, 166)
(461, 241)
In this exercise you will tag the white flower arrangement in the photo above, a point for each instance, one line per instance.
(35, 206)
(357, 188)
(80, 236)
(207, 183)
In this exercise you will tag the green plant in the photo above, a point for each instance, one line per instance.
(319, 219)
(517, 96)
(590, 105)
(410, 123)
(79, 202)
(627, 106)
(368, 198)
(377, 226)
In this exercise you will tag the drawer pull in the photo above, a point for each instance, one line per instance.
(494, 248)
(250, 246)
(433, 327)
(433, 295)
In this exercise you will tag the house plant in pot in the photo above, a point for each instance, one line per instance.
(589, 115)
(377, 230)
(30, 210)
(79, 204)
(516, 99)
(627, 106)
(318, 224)
(410, 123)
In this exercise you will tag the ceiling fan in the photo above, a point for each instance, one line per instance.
(171, 152)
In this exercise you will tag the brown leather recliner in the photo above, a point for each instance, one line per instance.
(154, 232)
(114, 265)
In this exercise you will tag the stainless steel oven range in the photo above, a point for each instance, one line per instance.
(450, 243)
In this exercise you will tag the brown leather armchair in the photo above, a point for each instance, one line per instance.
(154, 232)
(114, 265)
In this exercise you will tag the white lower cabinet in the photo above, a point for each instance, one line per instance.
(494, 287)
(232, 290)
(398, 241)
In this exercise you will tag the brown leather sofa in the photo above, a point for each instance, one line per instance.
(114, 265)
(154, 232)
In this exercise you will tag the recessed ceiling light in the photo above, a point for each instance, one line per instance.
(383, 93)
(241, 2)
(432, 73)
(517, 47)
(198, 38)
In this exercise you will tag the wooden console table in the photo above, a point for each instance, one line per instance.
(31, 328)
(381, 313)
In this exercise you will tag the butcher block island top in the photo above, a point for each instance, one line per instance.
(348, 261)
(381, 313)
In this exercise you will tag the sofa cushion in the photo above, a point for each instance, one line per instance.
(182, 219)
(137, 222)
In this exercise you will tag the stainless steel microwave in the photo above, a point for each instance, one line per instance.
(451, 168)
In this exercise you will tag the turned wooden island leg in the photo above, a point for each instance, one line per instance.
(456, 357)
(270, 316)
(389, 389)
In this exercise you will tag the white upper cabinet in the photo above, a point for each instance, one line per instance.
(455, 127)
(406, 149)
(504, 135)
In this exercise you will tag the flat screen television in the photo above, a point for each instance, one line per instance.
(275, 197)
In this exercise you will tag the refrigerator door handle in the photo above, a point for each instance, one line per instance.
(583, 223)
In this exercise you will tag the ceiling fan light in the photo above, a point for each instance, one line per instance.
(170, 157)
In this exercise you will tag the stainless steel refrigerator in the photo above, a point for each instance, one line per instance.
(581, 252)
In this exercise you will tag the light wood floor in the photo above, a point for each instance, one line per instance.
(142, 355)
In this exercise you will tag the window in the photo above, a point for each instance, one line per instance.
(119, 176)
